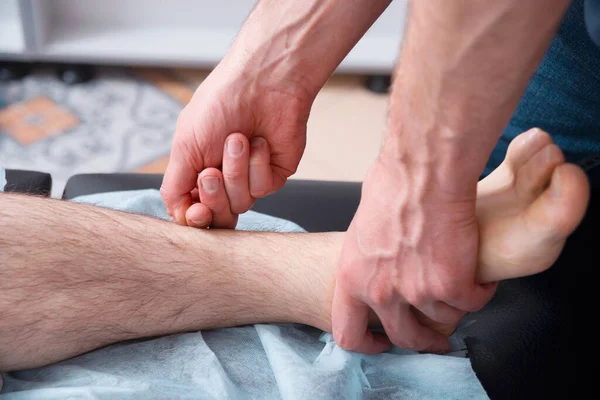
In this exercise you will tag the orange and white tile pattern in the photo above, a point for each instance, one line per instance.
(34, 119)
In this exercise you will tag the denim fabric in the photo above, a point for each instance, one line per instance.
(592, 19)
(563, 96)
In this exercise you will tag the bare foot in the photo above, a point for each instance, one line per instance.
(526, 210)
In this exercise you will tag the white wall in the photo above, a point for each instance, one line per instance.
(173, 32)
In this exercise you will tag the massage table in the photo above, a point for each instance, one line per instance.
(522, 345)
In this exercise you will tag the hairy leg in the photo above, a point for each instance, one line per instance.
(74, 277)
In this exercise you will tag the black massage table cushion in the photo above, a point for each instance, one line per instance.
(31, 182)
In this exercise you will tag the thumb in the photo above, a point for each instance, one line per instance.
(178, 182)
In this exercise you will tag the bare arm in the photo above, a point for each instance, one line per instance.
(302, 41)
(74, 278)
(263, 88)
(463, 69)
(414, 239)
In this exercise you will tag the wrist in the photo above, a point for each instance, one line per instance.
(268, 59)
(301, 43)
(436, 172)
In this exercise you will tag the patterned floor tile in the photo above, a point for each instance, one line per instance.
(155, 167)
(123, 121)
(168, 83)
(35, 119)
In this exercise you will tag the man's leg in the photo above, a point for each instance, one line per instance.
(75, 277)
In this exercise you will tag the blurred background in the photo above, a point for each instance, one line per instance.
(96, 86)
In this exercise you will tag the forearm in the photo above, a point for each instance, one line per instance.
(74, 278)
(302, 42)
(463, 68)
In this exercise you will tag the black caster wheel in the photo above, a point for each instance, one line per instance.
(74, 74)
(379, 83)
(10, 71)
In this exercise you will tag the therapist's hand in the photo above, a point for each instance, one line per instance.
(407, 248)
(235, 100)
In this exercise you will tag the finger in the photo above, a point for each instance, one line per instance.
(178, 181)
(198, 216)
(285, 163)
(213, 196)
(474, 299)
(235, 173)
(195, 196)
(403, 329)
(446, 329)
(441, 312)
(261, 177)
(349, 319)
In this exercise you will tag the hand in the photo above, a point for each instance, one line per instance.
(406, 250)
(234, 100)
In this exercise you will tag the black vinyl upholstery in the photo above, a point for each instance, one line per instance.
(303, 202)
(31, 182)
(522, 345)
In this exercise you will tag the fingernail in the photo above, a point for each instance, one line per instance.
(257, 142)
(210, 184)
(234, 147)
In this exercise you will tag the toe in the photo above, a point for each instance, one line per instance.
(534, 176)
(520, 151)
(560, 209)
(550, 219)
(525, 146)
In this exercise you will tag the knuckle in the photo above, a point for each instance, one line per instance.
(259, 193)
(381, 293)
(165, 193)
(414, 296)
(344, 275)
(446, 292)
(235, 175)
(241, 207)
(260, 162)
(407, 342)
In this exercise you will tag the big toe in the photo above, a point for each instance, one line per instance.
(561, 207)
(534, 176)
(550, 219)
(525, 146)
(520, 152)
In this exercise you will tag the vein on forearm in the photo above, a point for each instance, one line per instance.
(303, 41)
(463, 68)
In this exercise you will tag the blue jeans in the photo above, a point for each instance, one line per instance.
(563, 98)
